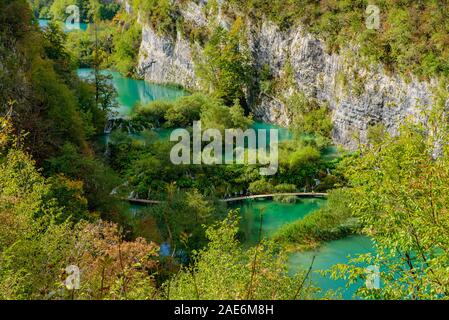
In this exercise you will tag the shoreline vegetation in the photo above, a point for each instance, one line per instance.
(332, 221)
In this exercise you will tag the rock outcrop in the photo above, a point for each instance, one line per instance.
(163, 59)
(357, 96)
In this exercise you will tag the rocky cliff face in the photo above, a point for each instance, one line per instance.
(358, 97)
(163, 59)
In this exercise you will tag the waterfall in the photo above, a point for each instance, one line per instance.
(115, 190)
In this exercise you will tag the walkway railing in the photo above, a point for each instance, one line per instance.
(271, 195)
(241, 198)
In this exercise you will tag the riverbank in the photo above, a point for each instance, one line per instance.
(332, 221)
(336, 248)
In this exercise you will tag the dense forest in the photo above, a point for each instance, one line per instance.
(64, 192)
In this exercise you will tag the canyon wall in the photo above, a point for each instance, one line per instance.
(357, 96)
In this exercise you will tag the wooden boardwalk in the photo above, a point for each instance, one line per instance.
(142, 201)
(271, 195)
(241, 198)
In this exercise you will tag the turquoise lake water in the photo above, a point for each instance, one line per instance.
(328, 255)
(131, 92)
(277, 214)
(67, 27)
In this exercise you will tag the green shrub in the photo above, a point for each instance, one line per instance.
(260, 187)
(160, 14)
(126, 43)
(186, 109)
(224, 68)
(332, 221)
(285, 187)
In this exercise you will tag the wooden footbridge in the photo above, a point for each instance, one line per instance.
(241, 198)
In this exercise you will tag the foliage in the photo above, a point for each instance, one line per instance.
(126, 43)
(5, 129)
(47, 107)
(38, 240)
(309, 117)
(81, 45)
(285, 187)
(38, 81)
(218, 116)
(89, 9)
(224, 270)
(98, 179)
(260, 187)
(181, 219)
(107, 44)
(183, 111)
(334, 220)
(412, 37)
(41, 8)
(224, 68)
(299, 163)
(400, 196)
(158, 13)
(111, 268)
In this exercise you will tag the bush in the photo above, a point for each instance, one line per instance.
(260, 187)
(186, 109)
(332, 221)
(285, 188)
(126, 43)
(152, 114)
(224, 69)
(225, 270)
(160, 14)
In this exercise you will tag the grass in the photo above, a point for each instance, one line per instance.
(332, 221)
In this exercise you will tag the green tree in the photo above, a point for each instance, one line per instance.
(98, 179)
(224, 270)
(260, 187)
(224, 69)
(126, 43)
(400, 196)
